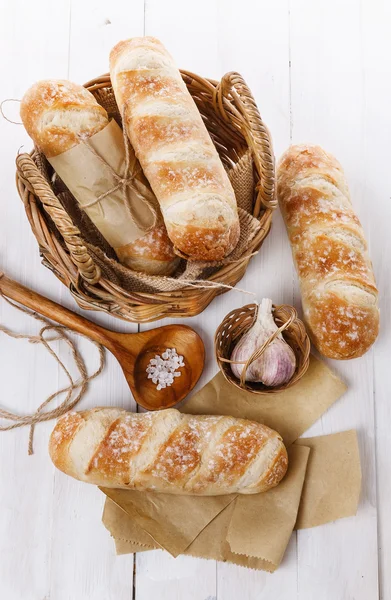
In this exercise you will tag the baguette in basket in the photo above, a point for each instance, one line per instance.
(73, 131)
(175, 150)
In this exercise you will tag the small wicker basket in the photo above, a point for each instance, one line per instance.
(233, 120)
(239, 321)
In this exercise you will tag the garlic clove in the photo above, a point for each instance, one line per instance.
(277, 363)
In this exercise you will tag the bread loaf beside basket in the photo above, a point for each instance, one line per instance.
(167, 451)
(337, 283)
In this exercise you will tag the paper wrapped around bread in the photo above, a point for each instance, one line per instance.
(166, 451)
(88, 152)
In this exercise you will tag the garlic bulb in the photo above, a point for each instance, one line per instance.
(276, 364)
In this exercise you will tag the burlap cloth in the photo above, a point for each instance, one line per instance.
(241, 176)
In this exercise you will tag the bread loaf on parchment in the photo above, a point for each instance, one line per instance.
(167, 451)
(58, 115)
(175, 150)
(337, 284)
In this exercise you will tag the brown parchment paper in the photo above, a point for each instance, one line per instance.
(173, 522)
(290, 412)
(260, 522)
(333, 481)
(87, 177)
(211, 544)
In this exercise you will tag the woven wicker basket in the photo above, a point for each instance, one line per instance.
(235, 125)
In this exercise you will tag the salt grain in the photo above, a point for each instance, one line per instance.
(163, 369)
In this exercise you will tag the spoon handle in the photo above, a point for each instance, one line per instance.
(15, 291)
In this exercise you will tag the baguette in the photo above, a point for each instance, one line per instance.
(167, 451)
(337, 284)
(57, 115)
(175, 150)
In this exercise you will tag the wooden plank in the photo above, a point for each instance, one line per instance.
(376, 182)
(178, 26)
(33, 50)
(159, 575)
(96, 27)
(260, 52)
(96, 571)
(327, 107)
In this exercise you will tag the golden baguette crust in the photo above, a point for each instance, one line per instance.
(153, 253)
(174, 149)
(57, 115)
(167, 451)
(337, 284)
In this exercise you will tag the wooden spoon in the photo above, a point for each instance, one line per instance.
(132, 350)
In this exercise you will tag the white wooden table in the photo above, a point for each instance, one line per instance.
(320, 72)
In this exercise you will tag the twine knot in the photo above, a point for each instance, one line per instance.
(125, 181)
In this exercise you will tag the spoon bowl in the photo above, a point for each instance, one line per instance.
(134, 351)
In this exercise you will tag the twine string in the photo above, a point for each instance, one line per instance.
(235, 261)
(2, 112)
(80, 385)
(205, 284)
(127, 180)
(219, 263)
(259, 351)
